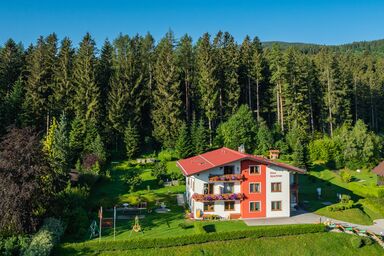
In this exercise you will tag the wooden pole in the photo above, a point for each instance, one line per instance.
(114, 223)
(101, 218)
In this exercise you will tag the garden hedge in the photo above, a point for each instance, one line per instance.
(262, 231)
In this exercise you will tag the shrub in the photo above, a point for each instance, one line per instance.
(77, 223)
(159, 171)
(340, 206)
(185, 225)
(345, 198)
(345, 176)
(199, 227)
(262, 231)
(356, 241)
(45, 239)
(132, 178)
(14, 245)
(367, 240)
(166, 155)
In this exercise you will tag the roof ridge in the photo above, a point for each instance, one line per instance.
(235, 151)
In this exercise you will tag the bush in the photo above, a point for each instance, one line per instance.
(345, 198)
(367, 240)
(356, 241)
(340, 206)
(132, 178)
(166, 155)
(77, 223)
(262, 231)
(199, 227)
(186, 225)
(45, 239)
(14, 245)
(159, 171)
(345, 176)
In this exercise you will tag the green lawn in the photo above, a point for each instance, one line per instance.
(363, 184)
(308, 244)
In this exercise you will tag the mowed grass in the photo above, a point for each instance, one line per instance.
(308, 244)
(362, 184)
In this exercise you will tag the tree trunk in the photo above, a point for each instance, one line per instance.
(282, 109)
(278, 104)
(221, 104)
(210, 131)
(257, 100)
(187, 104)
(249, 93)
(355, 92)
(329, 104)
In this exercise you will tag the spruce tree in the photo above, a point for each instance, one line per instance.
(257, 72)
(11, 63)
(166, 112)
(131, 139)
(60, 146)
(207, 81)
(76, 138)
(86, 101)
(185, 60)
(245, 71)
(200, 138)
(63, 88)
(183, 143)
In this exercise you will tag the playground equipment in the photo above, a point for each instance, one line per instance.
(94, 230)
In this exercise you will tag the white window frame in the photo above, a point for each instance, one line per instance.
(250, 188)
(255, 174)
(250, 206)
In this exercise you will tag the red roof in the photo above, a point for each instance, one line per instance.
(222, 156)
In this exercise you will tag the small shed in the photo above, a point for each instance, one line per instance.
(274, 154)
(379, 171)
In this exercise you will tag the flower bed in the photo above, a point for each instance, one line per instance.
(227, 177)
(212, 197)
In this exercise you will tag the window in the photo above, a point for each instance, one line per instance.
(254, 187)
(276, 186)
(229, 169)
(254, 169)
(228, 187)
(254, 206)
(209, 206)
(229, 205)
(208, 188)
(276, 205)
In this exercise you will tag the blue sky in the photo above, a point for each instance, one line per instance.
(323, 22)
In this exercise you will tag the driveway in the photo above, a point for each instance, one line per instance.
(303, 217)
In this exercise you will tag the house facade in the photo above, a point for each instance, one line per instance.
(232, 184)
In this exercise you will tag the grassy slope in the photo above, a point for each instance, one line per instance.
(331, 184)
(309, 244)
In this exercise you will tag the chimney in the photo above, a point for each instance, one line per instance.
(241, 148)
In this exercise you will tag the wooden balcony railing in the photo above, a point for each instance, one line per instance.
(226, 177)
(217, 197)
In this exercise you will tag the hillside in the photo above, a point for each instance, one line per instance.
(374, 46)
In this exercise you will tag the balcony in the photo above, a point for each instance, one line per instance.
(226, 177)
(217, 197)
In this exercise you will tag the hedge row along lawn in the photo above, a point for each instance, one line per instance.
(319, 244)
(262, 231)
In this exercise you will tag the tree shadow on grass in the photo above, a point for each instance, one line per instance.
(308, 197)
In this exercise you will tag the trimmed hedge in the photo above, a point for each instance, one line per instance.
(262, 231)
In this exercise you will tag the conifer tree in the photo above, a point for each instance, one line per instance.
(258, 72)
(49, 139)
(185, 59)
(166, 113)
(63, 88)
(183, 143)
(76, 138)
(207, 81)
(11, 62)
(131, 139)
(245, 71)
(60, 146)
(200, 138)
(86, 100)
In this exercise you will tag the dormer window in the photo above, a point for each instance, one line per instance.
(229, 169)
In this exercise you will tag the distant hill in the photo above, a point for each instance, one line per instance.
(375, 46)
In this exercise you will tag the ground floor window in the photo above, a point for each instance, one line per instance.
(276, 205)
(209, 206)
(254, 206)
(229, 205)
